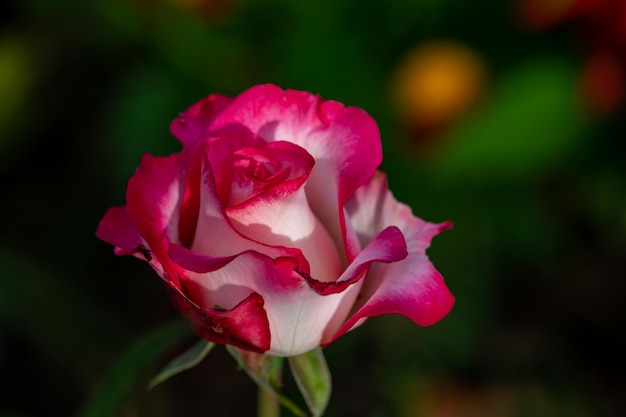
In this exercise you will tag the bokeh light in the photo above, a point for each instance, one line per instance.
(436, 83)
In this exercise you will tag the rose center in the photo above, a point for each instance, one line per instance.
(255, 169)
(253, 172)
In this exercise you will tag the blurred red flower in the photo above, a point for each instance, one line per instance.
(602, 29)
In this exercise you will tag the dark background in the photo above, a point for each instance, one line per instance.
(506, 122)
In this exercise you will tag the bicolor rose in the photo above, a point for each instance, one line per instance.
(272, 227)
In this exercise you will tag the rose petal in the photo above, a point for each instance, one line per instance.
(153, 200)
(190, 201)
(245, 325)
(411, 287)
(154, 196)
(117, 229)
(347, 153)
(221, 152)
(193, 123)
(374, 208)
(299, 318)
(195, 262)
(287, 220)
(388, 246)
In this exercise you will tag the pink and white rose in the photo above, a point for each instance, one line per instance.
(272, 227)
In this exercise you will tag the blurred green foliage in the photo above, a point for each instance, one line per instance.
(533, 179)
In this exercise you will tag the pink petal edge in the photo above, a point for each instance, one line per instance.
(193, 124)
(388, 246)
(411, 287)
(245, 325)
(117, 229)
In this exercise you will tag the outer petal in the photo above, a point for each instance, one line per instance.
(154, 196)
(245, 325)
(388, 246)
(153, 200)
(344, 141)
(411, 287)
(299, 318)
(194, 122)
(374, 208)
(116, 228)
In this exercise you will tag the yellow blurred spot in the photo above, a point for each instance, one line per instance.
(14, 74)
(16, 79)
(436, 83)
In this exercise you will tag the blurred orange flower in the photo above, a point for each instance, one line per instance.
(436, 83)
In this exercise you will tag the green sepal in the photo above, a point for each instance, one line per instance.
(312, 376)
(187, 360)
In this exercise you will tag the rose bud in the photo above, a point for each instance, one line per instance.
(272, 227)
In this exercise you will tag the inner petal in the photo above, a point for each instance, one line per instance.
(245, 166)
(254, 171)
(260, 186)
(288, 221)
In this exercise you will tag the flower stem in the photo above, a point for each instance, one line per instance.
(268, 399)
(268, 404)
(266, 371)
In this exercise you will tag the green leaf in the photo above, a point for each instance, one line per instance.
(313, 378)
(264, 370)
(186, 360)
(132, 367)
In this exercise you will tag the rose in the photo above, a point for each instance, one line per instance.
(273, 228)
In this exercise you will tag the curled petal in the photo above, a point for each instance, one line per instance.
(195, 262)
(245, 325)
(202, 264)
(411, 287)
(373, 208)
(388, 246)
